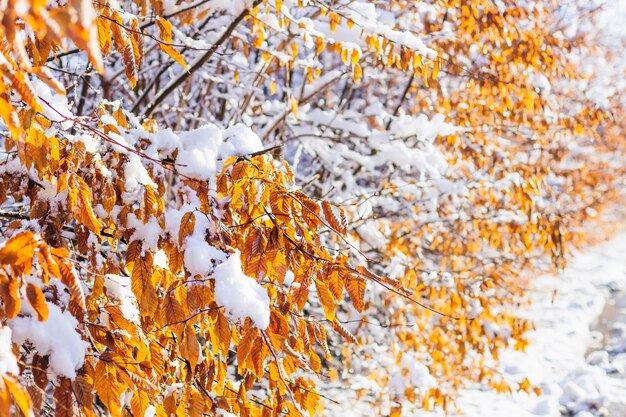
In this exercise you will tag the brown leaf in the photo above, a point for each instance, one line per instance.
(245, 344)
(123, 45)
(64, 399)
(70, 278)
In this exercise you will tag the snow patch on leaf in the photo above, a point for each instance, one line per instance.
(56, 337)
(241, 295)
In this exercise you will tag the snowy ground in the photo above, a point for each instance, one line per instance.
(580, 374)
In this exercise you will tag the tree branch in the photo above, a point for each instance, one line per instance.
(199, 63)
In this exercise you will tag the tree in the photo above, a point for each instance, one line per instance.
(205, 204)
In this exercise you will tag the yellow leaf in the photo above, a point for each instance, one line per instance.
(319, 46)
(9, 294)
(165, 29)
(341, 329)
(294, 107)
(104, 34)
(142, 286)
(22, 85)
(357, 74)
(336, 283)
(83, 209)
(355, 56)
(109, 196)
(334, 20)
(5, 399)
(45, 75)
(436, 68)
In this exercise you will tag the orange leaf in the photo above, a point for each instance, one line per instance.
(141, 283)
(19, 394)
(187, 226)
(107, 387)
(5, 399)
(356, 288)
(37, 300)
(326, 298)
(222, 327)
(9, 293)
(19, 250)
(190, 348)
(139, 403)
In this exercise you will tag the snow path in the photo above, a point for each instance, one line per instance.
(556, 359)
(611, 348)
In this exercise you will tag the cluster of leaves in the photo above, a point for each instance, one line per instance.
(446, 141)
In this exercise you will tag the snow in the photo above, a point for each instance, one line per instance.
(200, 257)
(202, 147)
(417, 377)
(119, 288)
(56, 337)
(136, 174)
(55, 106)
(148, 233)
(241, 295)
(239, 140)
(150, 411)
(8, 363)
(198, 157)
